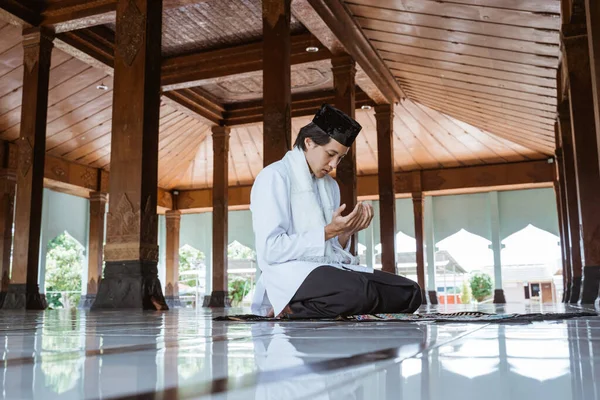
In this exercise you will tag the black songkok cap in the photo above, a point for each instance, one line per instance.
(337, 124)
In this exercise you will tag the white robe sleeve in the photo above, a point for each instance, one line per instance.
(272, 219)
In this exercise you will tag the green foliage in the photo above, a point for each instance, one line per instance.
(465, 295)
(237, 251)
(53, 299)
(481, 286)
(189, 259)
(238, 288)
(64, 263)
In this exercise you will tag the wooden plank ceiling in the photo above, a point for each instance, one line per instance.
(475, 96)
(491, 63)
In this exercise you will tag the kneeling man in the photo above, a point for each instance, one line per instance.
(302, 239)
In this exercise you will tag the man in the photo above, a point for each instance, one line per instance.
(302, 239)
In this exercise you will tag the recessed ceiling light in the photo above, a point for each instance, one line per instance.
(312, 49)
(102, 86)
(366, 107)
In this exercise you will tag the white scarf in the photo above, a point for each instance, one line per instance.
(307, 213)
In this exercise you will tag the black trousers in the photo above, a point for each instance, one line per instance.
(330, 292)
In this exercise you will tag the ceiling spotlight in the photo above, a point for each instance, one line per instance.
(366, 107)
(312, 49)
(102, 86)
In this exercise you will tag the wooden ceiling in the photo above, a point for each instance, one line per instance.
(479, 80)
(491, 63)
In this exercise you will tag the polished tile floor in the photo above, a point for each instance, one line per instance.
(183, 354)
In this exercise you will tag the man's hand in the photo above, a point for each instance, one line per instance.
(359, 219)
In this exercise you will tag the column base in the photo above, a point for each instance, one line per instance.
(575, 289)
(19, 298)
(173, 302)
(217, 299)
(433, 299)
(590, 284)
(86, 301)
(499, 296)
(130, 284)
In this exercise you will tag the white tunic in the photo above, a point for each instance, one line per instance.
(278, 245)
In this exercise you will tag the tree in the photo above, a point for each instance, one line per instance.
(189, 259)
(465, 295)
(237, 251)
(481, 286)
(64, 263)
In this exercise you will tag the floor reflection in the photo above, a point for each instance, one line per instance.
(185, 354)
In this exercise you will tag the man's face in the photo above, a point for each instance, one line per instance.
(324, 159)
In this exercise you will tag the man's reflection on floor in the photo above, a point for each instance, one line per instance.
(300, 360)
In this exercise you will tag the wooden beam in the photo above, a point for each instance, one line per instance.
(443, 180)
(20, 12)
(306, 14)
(339, 22)
(303, 104)
(65, 15)
(198, 101)
(195, 69)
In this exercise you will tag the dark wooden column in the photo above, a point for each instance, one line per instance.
(592, 9)
(344, 72)
(384, 114)
(586, 155)
(96, 246)
(131, 251)
(418, 203)
(571, 200)
(219, 296)
(23, 291)
(277, 92)
(564, 241)
(8, 183)
(173, 222)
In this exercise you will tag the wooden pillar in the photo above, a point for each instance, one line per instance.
(586, 156)
(496, 247)
(417, 198)
(592, 10)
(430, 251)
(219, 296)
(173, 222)
(384, 115)
(95, 247)
(8, 180)
(344, 71)
(277, 92)
(131, 251)
(571, 200)
(23, 290)
(560, 191)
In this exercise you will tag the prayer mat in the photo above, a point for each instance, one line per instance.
(466, 316)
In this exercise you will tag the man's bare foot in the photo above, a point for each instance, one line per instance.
(285, 311)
